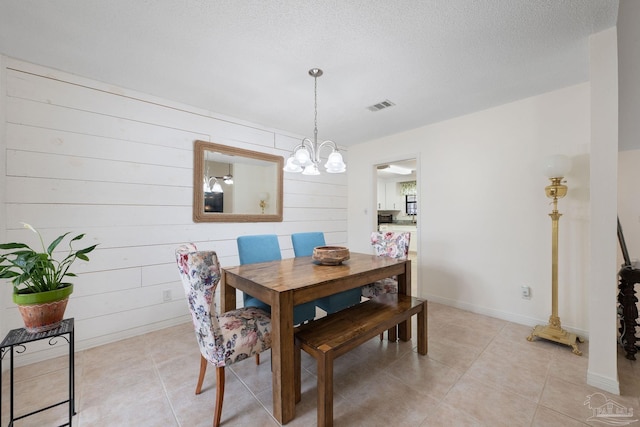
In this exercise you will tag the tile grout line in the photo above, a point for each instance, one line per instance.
(166, 392)
(244, 384)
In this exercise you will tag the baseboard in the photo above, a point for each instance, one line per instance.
(40, 354)
(604, 383)
(508, 316)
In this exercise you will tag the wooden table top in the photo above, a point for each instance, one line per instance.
(301, 272)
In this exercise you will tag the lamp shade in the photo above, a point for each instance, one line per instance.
(217, 188)
(291, 165)
(556, 166)
(311, 169)
(302, 157)
(335, 164)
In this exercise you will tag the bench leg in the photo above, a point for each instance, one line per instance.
(393, 334)
(422, 330)
(325, 389)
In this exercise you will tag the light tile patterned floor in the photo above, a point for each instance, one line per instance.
(488, 375)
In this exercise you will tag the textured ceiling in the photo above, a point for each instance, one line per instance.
(435, 59)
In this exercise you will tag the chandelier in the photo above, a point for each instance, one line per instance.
(305, 157)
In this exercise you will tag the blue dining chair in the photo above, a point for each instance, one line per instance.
(303, 244)
(263, 248)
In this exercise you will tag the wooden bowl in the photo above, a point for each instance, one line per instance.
(330, 255)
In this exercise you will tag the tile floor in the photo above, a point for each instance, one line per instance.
(480, 371)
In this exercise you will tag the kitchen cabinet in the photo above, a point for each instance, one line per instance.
(389, 198)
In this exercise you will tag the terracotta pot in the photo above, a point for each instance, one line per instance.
(44, 310)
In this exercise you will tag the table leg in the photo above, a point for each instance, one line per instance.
(404, 287)
(283, 357)
(227, 294)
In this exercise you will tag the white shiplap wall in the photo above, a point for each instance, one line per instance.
(83, 156)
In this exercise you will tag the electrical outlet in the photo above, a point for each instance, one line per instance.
(166, 295)
(526, 292)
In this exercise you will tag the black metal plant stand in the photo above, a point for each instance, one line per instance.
(16, 340)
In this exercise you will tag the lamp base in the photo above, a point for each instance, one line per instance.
(553, 333)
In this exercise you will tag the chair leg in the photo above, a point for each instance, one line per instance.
(217, 412)
(297, 378)
(203, 369)
(257, 358)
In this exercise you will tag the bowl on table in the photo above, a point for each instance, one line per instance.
(330, 255)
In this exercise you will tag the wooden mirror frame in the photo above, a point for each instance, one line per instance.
(199, 215)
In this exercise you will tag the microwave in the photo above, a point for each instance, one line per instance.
(385, 218)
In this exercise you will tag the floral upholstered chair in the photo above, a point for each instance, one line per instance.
(224, 338)
(392, 245)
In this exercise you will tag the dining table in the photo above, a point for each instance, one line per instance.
(286, 283)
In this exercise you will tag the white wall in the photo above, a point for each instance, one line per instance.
(83, 156)
(629, 201)
(5, 290)
(629, 125)
(629, 74)
(483, 214)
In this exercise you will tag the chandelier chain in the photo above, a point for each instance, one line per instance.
(315, 108)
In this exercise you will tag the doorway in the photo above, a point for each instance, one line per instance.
(397, 206)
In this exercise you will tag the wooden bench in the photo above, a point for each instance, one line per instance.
(336, 334)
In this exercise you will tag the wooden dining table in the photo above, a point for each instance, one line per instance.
(289, 282)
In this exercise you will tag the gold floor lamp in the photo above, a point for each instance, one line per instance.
(555, 168)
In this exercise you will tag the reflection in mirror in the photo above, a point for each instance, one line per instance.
(236, 185)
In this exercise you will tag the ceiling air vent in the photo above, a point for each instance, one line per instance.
(381, 105)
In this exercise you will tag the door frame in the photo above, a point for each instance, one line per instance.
(374, 205)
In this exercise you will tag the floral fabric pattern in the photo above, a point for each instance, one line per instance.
(223, 338)
(392, 245)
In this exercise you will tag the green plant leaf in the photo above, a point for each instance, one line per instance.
(8, 274)
(55, 243)
(86, 250)
(13, 245)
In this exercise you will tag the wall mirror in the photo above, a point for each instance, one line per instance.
(236, 185)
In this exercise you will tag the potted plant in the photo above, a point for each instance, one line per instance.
(39, 286)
